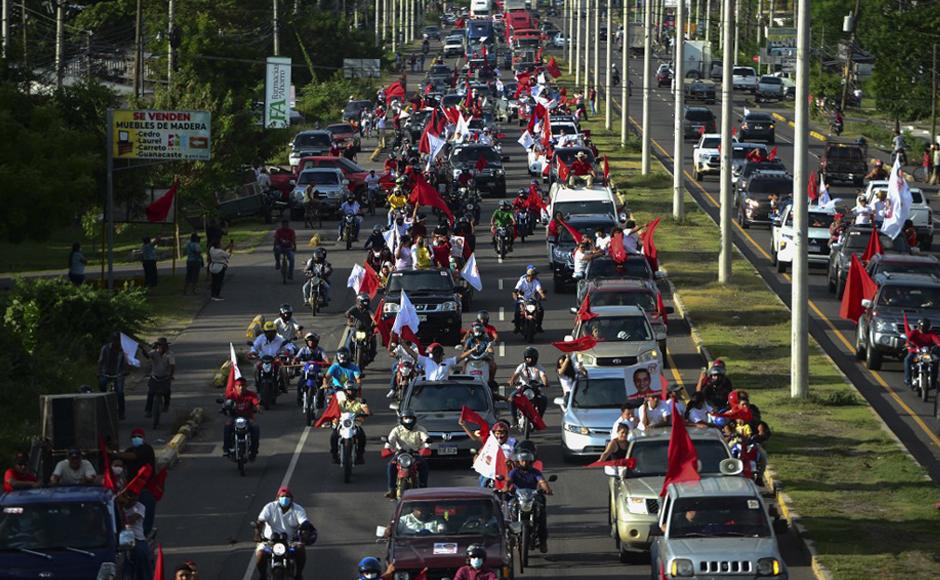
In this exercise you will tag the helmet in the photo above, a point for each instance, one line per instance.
(476, 551)
(312, 336)
(477, 329)
(377, 228)
(522, 193)
(435, 347)
(734, 398)
(286, 309)
(408, 420)
(319, 254)
(370, 565)
(923, 325)
(349, 198)
(525, 455)
(342, 355)
(269, 327)
(717, 369)
(531, 270)
(504, 204)
(531, 353)
(483, 316)
(526, 445)
(362, 298)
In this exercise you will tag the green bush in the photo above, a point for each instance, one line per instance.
(322, 101)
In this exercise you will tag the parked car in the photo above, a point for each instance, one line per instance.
(435, 298)
(921, 214)
(854, 241)
(757, 126)
(881, 325)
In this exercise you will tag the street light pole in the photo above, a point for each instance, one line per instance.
(577, 46)
(647, 73)
(933, 100)
(799, 325)
(597, 45)
(277, 38)
(569, 37)
(610, 38)
(587, 44)
(625, 75)
(724, 255)
(60, 41)
(678, 197)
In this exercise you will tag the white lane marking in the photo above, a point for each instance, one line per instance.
(287, 476)
(502, 349)
(500, 283)
(499, 259)
(502, 312)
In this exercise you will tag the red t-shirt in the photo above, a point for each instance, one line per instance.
(917, 339)
(285, 237)
(441, 255)
(245, 404)
(520, 204)
(10, 475)
(579, 167)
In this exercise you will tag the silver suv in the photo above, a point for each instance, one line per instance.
(769, 88)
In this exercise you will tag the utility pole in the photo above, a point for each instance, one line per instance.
(799, 325)
(138, 52)
(394, 26)
(850, 22)
(682, 30)
(660, 19)
(724, 255)
(625, 76)
(569, 38)
(170, 49)
(597, 43)
(737, 34)
(577, 44)
(698, 19)
(647, 73)
(59, 42)
(678, 194)
(587, 44)
(933, 100)
(770, 25)
(708, 23)
(386, 22)
(5, 26)
(378, 34)
(608, 62)
(277, 38)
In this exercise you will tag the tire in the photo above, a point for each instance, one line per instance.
(347, 460)
(310, 409)
(741, 220)
(278, 574)
(627, 556)
(872, 358)
(157, 409)
(283, 270)
(773, 254)
(314, 302)
(662, 347)
(527, 429)
(830, 283)
(529, 331)
(241, 465)
(781, 267)
(267, 395)
(349, 241)
(859, 345)
(840, 287)
(697, 174)
(925, 244)
(524, 545)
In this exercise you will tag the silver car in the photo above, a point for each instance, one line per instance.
(591, 407)
(331, 185)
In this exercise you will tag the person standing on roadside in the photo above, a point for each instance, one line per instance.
(193, 263)
(935, 164)
(113, 368)
(148, 258)
(162, 369)
(77, 264)
(218, 265)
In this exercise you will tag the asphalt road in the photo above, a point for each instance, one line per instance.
(208, 507)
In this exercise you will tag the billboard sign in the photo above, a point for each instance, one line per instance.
(167, 135)
(277, 93)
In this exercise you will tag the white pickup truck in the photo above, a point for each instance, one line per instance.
(744, 78)
(705, 155)
(781, 251)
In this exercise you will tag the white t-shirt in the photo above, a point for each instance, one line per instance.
(862, 214)
(277, 521)
(699, 415)
(580, 262)
(566, 382)
(527, 373)
(69, 476)
(602, 242)
(631, 422)
(528, 289)
(631, 243)
(657, 416)
(434, 371)
(405, 261)
(137, 527)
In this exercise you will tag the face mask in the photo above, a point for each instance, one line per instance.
(137, 441)
(117, 470)
(284, 501)
(370, 575)
(476, 563)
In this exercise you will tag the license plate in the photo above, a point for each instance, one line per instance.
(813, 248)
(443, 449)
(423, 317)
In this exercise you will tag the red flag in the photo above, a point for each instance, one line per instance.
(524, 405)
(424, 194)
(157, 484)
(459, 23)
(409, 334)
(422, 575)
(332, 412)
(629, 463)
(576, 345)
(755, 155)
(137, 484)
(502, 470)
(552, 68)
(452, 114)
(534, 201)
(584, 312)
(108, 482)
(160, 208)
(773, 154)
(484, 52)
(538, 112)
(606, 169)
(575, 234)
(701, 131)
(158, 567)
(682, 457)
(480, 164)
(661, 308)
(424, 145)
(617, 251)
(874, 246)
(907, 326)
(382, 326)
(812, 186)
(468, 415)
(858, 286)
(563, 170)
(649, 244)
(547, 132)
(370, 281)
(230, 382)
(394, 90)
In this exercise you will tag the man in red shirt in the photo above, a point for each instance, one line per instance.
(285, 241)
(242, 403)
(19, 476)
(920, 336)
(483, 317)
(582, 168)
(441, 251)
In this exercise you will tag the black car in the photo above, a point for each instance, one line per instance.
(903, 264)
(492, 178)
(753, 201)
(436, 300)
(635, 267)
(854, 241)
(440, 71)
(844, 163)
(353, 110)
(698, 120)
(757, 127)
(561, 250)
(432, 32)
(750, 168)
(415, 123)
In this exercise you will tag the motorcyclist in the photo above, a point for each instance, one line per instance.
(465, 179)
(348, 403)
(283, 516)
(922, 335)
(478, 342)
(614, 75)
(370, 569)
(878, 172)
(342, 372)
(310, 353)
(500, 430)
(359, 317)
(483, 317)
(530, 371)
(503, 217)
(376, 240)
(349, 207)
(528, 288)
(318, 266)
(525, 476)
(287, 328)
(372, 189)
(242, 403)
(267, 343)
(476, 568)
(410, 437)
(285, 242)
(715, 384)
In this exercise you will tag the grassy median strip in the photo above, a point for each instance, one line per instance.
(866, 504)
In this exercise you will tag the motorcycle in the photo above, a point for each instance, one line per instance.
(282, 559)
(529, 319)
(267, 381)
(310, 397)
(350, 229)
(287, 371)
(525, 517)
(241, 440)
(503, 241)
(406, 463)
(478, 364)
(405, 374)
(531, 390)
(348, 431)
(923, 366)
(284, 263)
(359, 348)
(471, 211)
(836, 127)
(523, 225)
(317, 291)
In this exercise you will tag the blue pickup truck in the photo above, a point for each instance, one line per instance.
(61, 533)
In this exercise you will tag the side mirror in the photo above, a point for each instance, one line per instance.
(560, 401)
(554, 478)
(573, 310)
(393, 405)
(866, 303)
(776, 221)
(384, 439)
(568, 337)
(380, 531)
(292, 182)
(126, 540)
(659, 275)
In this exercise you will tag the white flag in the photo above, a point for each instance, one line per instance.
(541, 79)
(355, 278)
(499, 85)
(487, 459)
(746, 111)
(234, 359)
(536, 90)
(526, 140)
(463, 128)
(899, 202)
(823, 199)
(471, 273)
(407, 316)
(129, 346)
(436, 144)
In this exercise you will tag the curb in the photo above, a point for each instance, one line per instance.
(783, 500)
(684, 313)
(169, 454)
(814, 134)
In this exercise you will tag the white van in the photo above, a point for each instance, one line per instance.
(481, 8)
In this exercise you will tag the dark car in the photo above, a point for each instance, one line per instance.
(567, 154)
(842, 162)
(440, 71)
(750, 168)
(309, 143)
(432, 32)
(436, 300)
(352, 171)
(449, 519)
(854, 241)
(757, 127)
(663, 76)
(880, 327)
(753, 202)
(739, 153)
(561, 250)
(903, 264)
(492, 178)
(604, 268)
(353, 110)
(698, 120)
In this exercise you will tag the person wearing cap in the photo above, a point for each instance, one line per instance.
(133, 513)
(527, 289)
(269, 342)
(74, 470)
(186, 571)
(581, 170)
(282, 516)
(19, 476)
(162, 369)
(243, 403)
(139, 455)
(113, 368)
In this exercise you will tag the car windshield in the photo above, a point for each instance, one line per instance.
(350, 165)
(858, 240)
(54, 526)
(596, 206)
(770, 81)
(741, 151)
(312, 140)
(710, 142)
(563, 129)
(816, 219)
(906, 267)
(453, 40)
(339, 129)
(850, 153)
(447, 397)
(651, 456)
(421, 280)
(356, 106)
(617, 328)
(606, 393)
(318, 177)
(743, 72)
(448, 518)
(473, 153)
(699, 115)
(758, 118)
(644, 300)
(763, 188)
(440, 69)
(920, 297)
(718, 517)
(607, 268)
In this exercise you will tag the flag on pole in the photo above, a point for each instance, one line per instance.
(158, 567)
(108, 481)
(160, 208)
(899, 201)
(407, 316)
(649, 244)
(471, 273)
(526, 140)
(424, 194)
(490, 462)
(874, 246)
(129, 346)
(576, 345)
(584, 312)
(363, 279)
(682, 459)
(468, 415)
(858, 286)
(436, 144)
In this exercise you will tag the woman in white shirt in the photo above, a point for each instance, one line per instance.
(218, 265)
(861, 211)
(403, 256)
(566, 375)
(696, 414)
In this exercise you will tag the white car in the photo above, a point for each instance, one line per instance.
(598, 200)
(744, 78)
(453, 45)
(781, 251)
(705, 155)
(591, 407)
(560, 40)
(920, 211)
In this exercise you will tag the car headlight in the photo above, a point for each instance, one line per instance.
(771, 125)
(391, 307)
(768, 567)
(637, 505)
(682, 567)
(648, 356)
(279, 549)
(498, 172)
(580, 430)
(449, 306)
(882, 325)
(588, 359)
